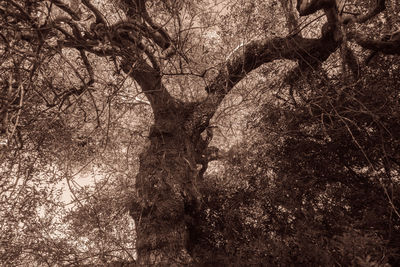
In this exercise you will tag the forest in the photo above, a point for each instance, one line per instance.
(200, 133)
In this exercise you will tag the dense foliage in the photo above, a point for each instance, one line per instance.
(318, 182)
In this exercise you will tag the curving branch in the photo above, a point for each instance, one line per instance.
(88, 67)
(136, 10)
(290, 14)
(67, 9)
(389, 44)
(99, 17)
(23, 15)
(309, 53)
(158, 33)
(139, 23)
(379, 7)
(132, 8)
(149, 79)
(308, 7)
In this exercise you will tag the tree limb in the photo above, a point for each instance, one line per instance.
(389, 47)
(149, 79)
(309, 53)
(378, 8)
(66, 8)
(291, 19)
(308, 7)
(95, 11)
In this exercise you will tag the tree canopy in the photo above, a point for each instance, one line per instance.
(174, 132)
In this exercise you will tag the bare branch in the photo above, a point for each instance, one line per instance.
(88, 67)
(149, 80)
(310, 53)
(389, 45)
(159, 35)
(23, 14)
(378, 8)
(95, 11)
(291, 19)
(137, 11)
(67, 9)
(308, 7)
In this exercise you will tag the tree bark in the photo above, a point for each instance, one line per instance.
(167, 193)
(166, 189)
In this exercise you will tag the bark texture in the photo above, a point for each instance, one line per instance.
(165, 187)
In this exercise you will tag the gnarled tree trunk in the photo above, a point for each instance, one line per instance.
(168, 198)
(167, 193)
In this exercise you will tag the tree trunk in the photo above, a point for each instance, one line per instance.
(167, 206)
(166, 194)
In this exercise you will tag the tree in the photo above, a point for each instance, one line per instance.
(154, 44)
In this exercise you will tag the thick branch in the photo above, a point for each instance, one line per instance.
(67, 9)
(389, 47)
(379, 7)
(308, 52)
(149, 80)
(291, 19)
(308, 7)
(160, 36)
(133, 8)
(95, 11)
(136, 10)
